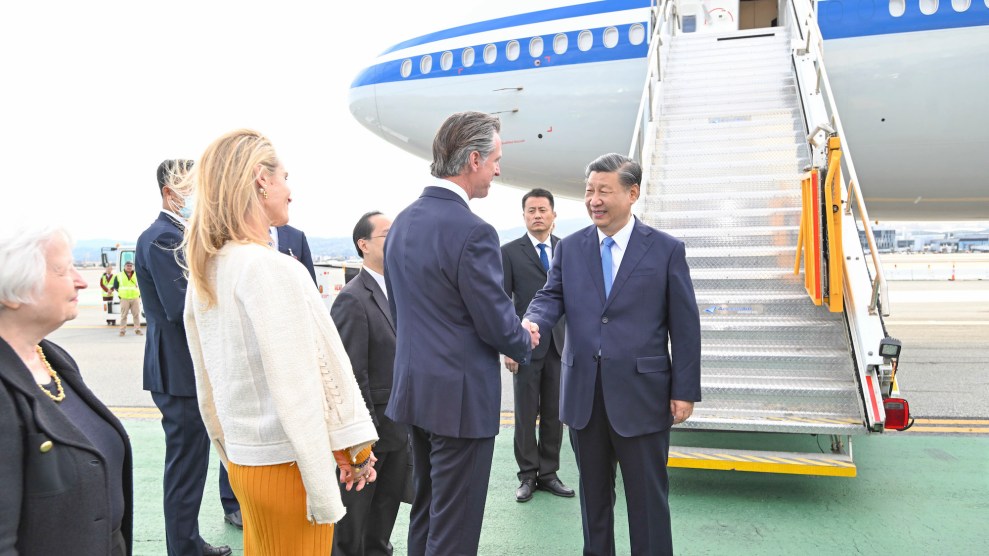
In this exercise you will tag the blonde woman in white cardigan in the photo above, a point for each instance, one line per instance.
(276, 391)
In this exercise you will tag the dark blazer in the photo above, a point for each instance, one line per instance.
(292, 242)
(54, 502)
(524, 276)
(651, 306)
(447, 372)
(364, 320)
(167, 364)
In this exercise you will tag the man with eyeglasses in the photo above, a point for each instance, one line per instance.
(364, 321)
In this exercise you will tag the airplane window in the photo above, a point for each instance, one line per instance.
(536, 47)
(512, 50)
(610, 37)
(897, 7)
(928, 7)
(560, 42)
(584, 41)
(468, 57)
(446, 60)
(490, 54)
(426, 64)
(636, 34)
(961, 5)
(406, 68)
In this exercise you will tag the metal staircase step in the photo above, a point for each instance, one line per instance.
(673, 91)
(753, 199)
(726, 185)
(742, 218)
(723, 118)
(731, 153)
(758, 461)
(719, 168)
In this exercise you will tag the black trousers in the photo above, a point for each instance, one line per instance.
(186, 464)
(537, 394)
(451, 481)
(367, 527)
(643, 462)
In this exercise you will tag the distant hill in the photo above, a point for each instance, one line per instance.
(87, 252)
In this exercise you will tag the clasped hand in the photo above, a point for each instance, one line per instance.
(533, 329)
(350, 476)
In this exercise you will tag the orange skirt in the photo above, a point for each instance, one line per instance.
(273, 506)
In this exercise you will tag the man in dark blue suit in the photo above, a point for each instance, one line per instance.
(292, 242)
(631, 358)
(444, 276)
(168, 372)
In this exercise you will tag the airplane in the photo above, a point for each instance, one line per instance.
(566, 80)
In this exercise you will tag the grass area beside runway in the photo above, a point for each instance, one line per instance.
(914, 494)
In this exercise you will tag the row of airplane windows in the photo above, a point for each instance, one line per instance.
(929, 7)
(585, 40)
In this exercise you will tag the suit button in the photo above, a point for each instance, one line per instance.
(46, 446)
(604, 320)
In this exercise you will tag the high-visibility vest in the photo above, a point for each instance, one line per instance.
(106, 282)
(127, 287)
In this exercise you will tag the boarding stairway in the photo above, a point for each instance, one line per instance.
(724, 166)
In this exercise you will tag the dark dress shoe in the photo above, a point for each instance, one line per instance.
(555, 486)
(235, 519)
(210, 550)
(525, 491)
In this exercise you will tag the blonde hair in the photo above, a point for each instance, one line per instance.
(227, 205)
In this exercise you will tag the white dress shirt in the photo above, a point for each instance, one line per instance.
(273, 232)
(549, 246)
(447, 184)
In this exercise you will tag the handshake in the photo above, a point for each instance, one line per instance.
(533, 329)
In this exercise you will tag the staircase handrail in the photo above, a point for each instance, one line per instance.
(661, 11)
(815, 39)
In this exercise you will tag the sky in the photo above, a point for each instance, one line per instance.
(96, 94)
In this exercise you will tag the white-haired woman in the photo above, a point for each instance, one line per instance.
(277, 394)
(65, 460)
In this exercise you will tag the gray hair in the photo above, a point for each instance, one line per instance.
(23, 260)
(460, 135)
(629, 172)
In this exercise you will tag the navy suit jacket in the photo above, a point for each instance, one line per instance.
(452, 317)
(167, 364)
(292, 242)
(651, 309)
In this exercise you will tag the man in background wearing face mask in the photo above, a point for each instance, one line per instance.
(168, 371)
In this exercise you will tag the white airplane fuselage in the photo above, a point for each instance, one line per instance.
(909, 91)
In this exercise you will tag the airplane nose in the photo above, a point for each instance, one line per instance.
(363, 100)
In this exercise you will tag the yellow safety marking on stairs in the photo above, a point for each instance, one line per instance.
(796, 466)
(982, 422)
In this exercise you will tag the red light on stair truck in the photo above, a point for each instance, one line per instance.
(897, 414)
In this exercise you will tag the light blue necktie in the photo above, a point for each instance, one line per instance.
(543, 256)
(607, 265)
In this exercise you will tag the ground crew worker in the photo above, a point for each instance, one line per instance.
(130, 297)
(106, 289)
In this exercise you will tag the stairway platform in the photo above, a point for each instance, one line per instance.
(757, 461)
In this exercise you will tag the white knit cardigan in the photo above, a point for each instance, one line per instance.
(274, 381)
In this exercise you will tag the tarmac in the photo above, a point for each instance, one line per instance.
(923, 491)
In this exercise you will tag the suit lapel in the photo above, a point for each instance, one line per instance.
(638, 245)
(592, 257)
(526, 246)
(377, 295)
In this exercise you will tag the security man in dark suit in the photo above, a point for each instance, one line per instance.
(452, 318)
(364, 320)
(537, 385)
(292, 242)
(168, 372)
(632, 358)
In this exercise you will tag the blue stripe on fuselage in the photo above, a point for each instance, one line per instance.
(391, 71)
(840, 19)
(541, 16)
